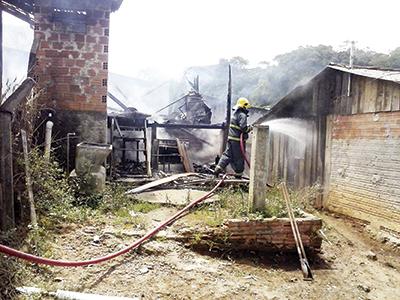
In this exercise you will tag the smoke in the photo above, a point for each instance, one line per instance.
(299, 132)
(17, 42)
(211, 140)
(147, 95)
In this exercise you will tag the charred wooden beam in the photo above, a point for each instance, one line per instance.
(21, 9)
(228, 111)
(119, 102)
(195, 126)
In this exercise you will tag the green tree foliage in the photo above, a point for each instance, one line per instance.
(268, 82)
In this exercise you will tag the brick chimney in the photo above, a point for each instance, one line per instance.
(72, 64)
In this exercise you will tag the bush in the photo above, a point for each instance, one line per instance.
(51, 188)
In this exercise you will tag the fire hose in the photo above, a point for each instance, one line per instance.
(243, 150)
(65, 263)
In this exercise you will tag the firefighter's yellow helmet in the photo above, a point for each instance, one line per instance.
(243, 103)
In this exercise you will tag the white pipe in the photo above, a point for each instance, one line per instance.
(47, 147)
(67, 295)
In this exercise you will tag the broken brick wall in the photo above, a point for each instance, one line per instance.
(71, 64)
(269, 234)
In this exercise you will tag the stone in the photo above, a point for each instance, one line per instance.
(96, 239)
(371, 255)
(364, 288)
(143, 270)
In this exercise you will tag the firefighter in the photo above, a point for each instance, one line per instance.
(232, 154)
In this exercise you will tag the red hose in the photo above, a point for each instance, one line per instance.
(64, 263)
(243, 150)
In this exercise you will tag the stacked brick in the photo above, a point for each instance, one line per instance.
(269, 235)
(272, 234)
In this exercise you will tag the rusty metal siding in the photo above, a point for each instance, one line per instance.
(364, 179)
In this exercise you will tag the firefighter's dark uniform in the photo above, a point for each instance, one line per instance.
(232, 154)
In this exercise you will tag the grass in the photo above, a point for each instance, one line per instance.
(234, 204)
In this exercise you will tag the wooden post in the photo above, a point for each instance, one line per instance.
(154, 148)
(28, 179)
(259, 167)
(148, 141)
(6, 172)
(228, 112)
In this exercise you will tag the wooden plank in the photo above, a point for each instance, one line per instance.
(28, 179)
(159, 182)
(18, 96)
(396, 98)
(271, 156)
(1, 53)
(314, 152)
(286, 157)
(344, 98)
(380, 95)
(301, 168)
(355, 94)
(315, 98)
(338, 93)
(387, 98)
(186, 161)
(362, 95)
(118, 128)
(371, 90)
(350, 98)
(275, 155)
(321, 148)
(281, 155)
(308, 159)
(327, 161)
(149, 150)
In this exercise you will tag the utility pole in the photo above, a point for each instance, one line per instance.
(352, 45)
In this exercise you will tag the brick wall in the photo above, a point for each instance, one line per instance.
(365, 167)
(72, 65)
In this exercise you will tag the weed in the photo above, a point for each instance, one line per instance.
(144, 207)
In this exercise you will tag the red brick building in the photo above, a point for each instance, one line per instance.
(71, 45)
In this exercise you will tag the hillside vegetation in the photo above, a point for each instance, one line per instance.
(268, 82)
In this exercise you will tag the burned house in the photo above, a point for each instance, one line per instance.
(164, 141)
(353, 151)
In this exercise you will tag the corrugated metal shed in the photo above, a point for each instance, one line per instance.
(353, 149)
(302, 93)
(377, 73)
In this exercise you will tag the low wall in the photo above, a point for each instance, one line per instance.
(269, 235)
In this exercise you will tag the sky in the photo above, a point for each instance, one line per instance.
(167, 36)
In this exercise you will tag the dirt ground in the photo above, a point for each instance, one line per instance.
(166, 269)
